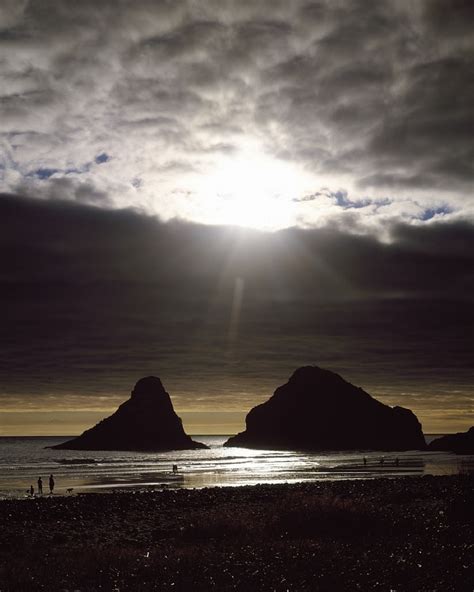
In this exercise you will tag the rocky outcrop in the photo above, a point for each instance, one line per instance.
(318, 410)
(460, 443)
(147, 421)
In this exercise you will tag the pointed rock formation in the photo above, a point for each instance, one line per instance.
(318, 410)
(147, 421)
(460, 443)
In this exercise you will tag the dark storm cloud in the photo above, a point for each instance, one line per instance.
(92, 300)
(127, 246)
(379, 93)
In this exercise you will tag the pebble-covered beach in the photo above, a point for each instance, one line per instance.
(413, 533)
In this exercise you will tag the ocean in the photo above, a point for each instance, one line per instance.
(24, 459)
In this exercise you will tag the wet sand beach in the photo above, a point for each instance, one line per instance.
(413, 533)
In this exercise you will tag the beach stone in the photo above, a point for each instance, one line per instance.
(460, 443)
(145, 422)
(318, 410)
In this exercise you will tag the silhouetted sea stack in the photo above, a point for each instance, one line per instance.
(318, 410)
(460, 443)
(147, 422)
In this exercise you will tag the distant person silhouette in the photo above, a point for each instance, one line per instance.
(365, 461)
(32, 490)
(51, 484)
(397, 462)
(382, 460)
(175, 468)
(40, 486)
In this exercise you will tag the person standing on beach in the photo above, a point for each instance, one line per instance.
(40, 486)
(32, 490)
(51, 484)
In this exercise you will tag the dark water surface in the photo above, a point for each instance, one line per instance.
(24, 459)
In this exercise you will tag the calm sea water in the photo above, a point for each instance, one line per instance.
(24, 459)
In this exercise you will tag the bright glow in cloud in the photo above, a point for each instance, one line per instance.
(252, 190)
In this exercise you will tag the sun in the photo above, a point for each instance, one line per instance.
(252, 190)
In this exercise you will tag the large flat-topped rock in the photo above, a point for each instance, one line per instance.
(318, 410)
(147, 421)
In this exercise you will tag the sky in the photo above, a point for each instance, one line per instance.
(219, 192)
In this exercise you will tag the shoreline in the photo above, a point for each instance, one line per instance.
(189, 477)
(403, 533)
(139, 487)
(24, 461)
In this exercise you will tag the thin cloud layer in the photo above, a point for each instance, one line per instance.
(149, 105)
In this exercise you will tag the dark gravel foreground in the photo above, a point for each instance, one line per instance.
(413, 533)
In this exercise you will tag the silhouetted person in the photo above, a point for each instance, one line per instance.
(365, 461)
(382, 460)
(175, 468)
(51, 484)
(40, 486)
(32, 490)
(397, 462)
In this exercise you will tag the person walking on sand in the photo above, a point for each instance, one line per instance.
(32, 490)
(40, 486)
(51, 484)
